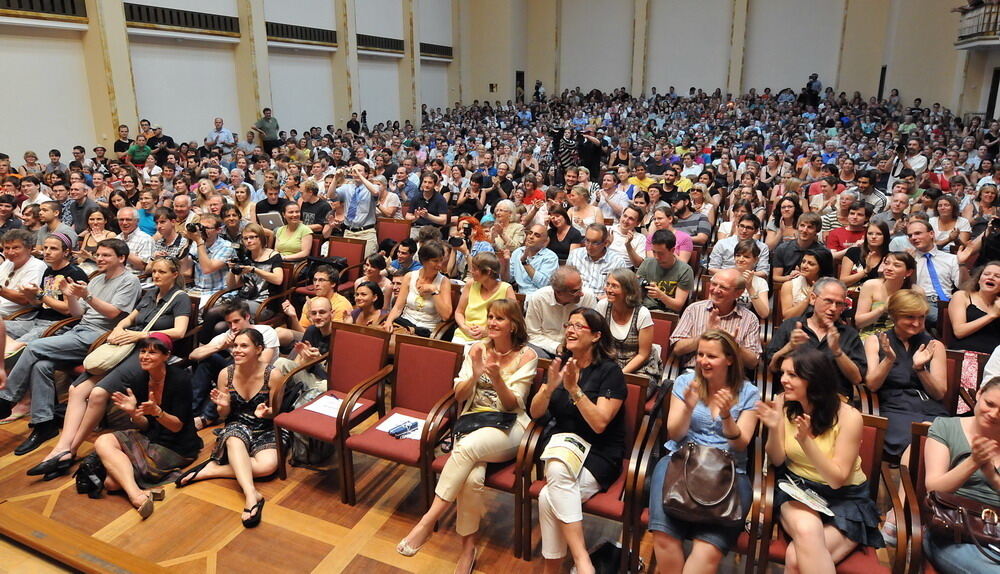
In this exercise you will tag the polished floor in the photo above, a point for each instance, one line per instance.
(305, 526)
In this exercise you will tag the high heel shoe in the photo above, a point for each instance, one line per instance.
(255, 517)
(157, 494)
(145, 509)
(405, 549)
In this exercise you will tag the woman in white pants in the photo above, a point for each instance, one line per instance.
(492, 386)
(584, 394)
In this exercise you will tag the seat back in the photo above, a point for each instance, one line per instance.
(663, 327)
(425, 371)
(392, 228)
(634, 407)
(351, 249)
(356, 353)
(695, 262)
(918, 440)
(872, 442)
(953, 366)
(945, 330)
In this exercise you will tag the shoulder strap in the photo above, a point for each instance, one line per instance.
(160, 311)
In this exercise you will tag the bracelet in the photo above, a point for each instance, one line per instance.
(575, 397)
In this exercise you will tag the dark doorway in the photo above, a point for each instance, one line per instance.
(881, 83)
(519, 86)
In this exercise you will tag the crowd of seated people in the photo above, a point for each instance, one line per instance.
(806, 267)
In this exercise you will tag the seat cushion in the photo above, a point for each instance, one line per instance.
(501, 476)
(320, 426)
(378, 443)
(608, 504)
(863, 560)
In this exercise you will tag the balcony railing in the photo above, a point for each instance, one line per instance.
(979, 22)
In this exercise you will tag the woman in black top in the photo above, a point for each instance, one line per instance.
(165, 441)
(89, 394)
(863, 263)
(584, 393)
(264, 274)
(563, 237)
(975, 309)
(247, 446)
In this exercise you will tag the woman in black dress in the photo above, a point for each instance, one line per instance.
(862, 263)
(165, 441)
(563, 237)
(246, 448)
(584, 394)
(975, 309)
(907, 368)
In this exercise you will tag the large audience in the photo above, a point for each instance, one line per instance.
(812, 247)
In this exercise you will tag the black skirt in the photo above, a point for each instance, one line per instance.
(854, 512)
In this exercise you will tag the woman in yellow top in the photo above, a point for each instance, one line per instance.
(486, 287)
(815, 439)
(294, 239)
(492, 386)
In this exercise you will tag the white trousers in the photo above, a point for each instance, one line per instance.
(561, 501)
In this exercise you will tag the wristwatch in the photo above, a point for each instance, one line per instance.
(88, 298)
(579, 394)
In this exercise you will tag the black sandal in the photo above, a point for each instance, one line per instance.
(254, 519)
(191, 474)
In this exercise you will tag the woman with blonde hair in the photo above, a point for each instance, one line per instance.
(907, 368)
(581, 212)
(492, 387)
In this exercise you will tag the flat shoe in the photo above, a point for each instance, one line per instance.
(254, 519)
(145, 509)
(13, 417)
(405, 549)
(51, 465)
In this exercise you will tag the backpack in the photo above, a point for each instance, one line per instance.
(304, 450)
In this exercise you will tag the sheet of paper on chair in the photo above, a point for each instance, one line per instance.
(396, 419)
(328, 405)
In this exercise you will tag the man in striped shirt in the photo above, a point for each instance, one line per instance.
(595, 261)
(719, 311)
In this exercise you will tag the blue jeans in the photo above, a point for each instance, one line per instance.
(956, 558)
(205, 378)
(37, 364)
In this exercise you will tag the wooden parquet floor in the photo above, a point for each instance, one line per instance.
(305, 527)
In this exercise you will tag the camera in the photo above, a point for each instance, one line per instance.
(643, 284)
(241, 260)
(195, 227)
(455, 242)
(467, 231)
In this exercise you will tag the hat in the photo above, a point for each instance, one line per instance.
(157, 127)
(163, 339)
(100, 147)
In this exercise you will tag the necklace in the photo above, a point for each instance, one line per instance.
(499, 354)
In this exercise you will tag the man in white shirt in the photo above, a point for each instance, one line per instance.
(32, 187)
(595, 261)
(625, 240)
(549, 307)
(140, 243)
(223, 139)
(937, 271)
(19, 270)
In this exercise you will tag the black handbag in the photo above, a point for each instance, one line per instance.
(468, 423)
(700, 486)
(90, 476)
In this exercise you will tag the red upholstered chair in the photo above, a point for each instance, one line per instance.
(956, 391)
(421, 380)
(358, 365)
(392, 228)
(619, 501)
(862, 559)
(508, 476)
(910, 534)
(354, 251)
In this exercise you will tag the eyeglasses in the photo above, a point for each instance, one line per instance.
(575, 327)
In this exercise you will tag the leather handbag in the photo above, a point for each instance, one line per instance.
(700, 486)
(471, 422)
(964, 520)
(107, 356)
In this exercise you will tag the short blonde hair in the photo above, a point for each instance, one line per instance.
(907, 302)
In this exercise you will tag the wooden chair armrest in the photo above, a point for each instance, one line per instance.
(756, 505)
(361, 388)
(875, 403)
(347, 270)
(436, 420)
(643, 467)
(58, 325)
(214, 299)
(443, 328)
(900, 556)
(278, 397)
(20, 313)
(912, 523)
(99, 341)
(968, 397)
(299, 275)
(266, 304)
(767, 518)
(865, 398)
(527, 450)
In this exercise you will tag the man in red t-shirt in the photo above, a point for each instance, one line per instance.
(840, 239)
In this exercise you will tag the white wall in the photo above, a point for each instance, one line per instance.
(311, 13)
(435, 21)
(679, 29)
(45, 99)
(434, 84)
(379, 82)
(595, 44)
(789, 39)
(379, 18)
(183, 85)
(301, 88)
(223, 7)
